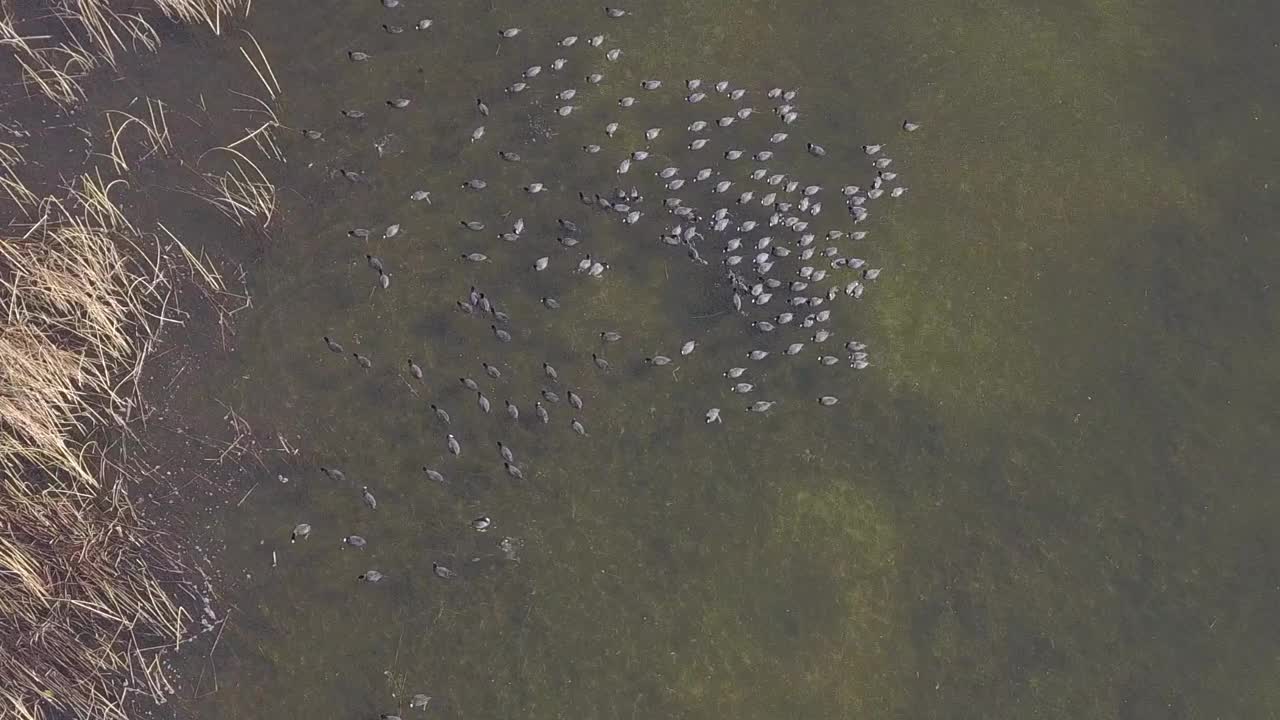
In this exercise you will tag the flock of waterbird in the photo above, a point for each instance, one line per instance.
(720, 191)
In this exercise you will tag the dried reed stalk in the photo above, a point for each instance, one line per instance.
(242, 193)
(23, 199)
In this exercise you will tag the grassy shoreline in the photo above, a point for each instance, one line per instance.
(89, 590)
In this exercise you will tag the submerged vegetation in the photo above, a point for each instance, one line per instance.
(87, 588)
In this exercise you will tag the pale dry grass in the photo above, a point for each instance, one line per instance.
(242, 190)
(53, 69)
(156, 127)
(86, 589)
(10, 158)
(107, 29)
(93, 31)
(81, 607)
(242, 193)
(85, 600)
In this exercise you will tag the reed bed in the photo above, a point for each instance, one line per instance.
(90, 33)
(85, 588)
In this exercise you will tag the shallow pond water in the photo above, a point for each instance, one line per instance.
(1050, 495)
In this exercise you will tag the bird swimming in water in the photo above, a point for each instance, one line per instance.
(364, 361)
(414, 370)
(369, 500)
(442, 572)
(441, 414)
(713, 416)
(454, 447)
(301, 530)
(784, 210)
(332, 345)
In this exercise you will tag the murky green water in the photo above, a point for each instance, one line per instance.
(1050, 496)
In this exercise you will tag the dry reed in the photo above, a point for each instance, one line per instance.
(53, 69)
(11, 183)
(85, 587)
(242, 193)
(92, 31)
(85, 594)
(157, 130)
